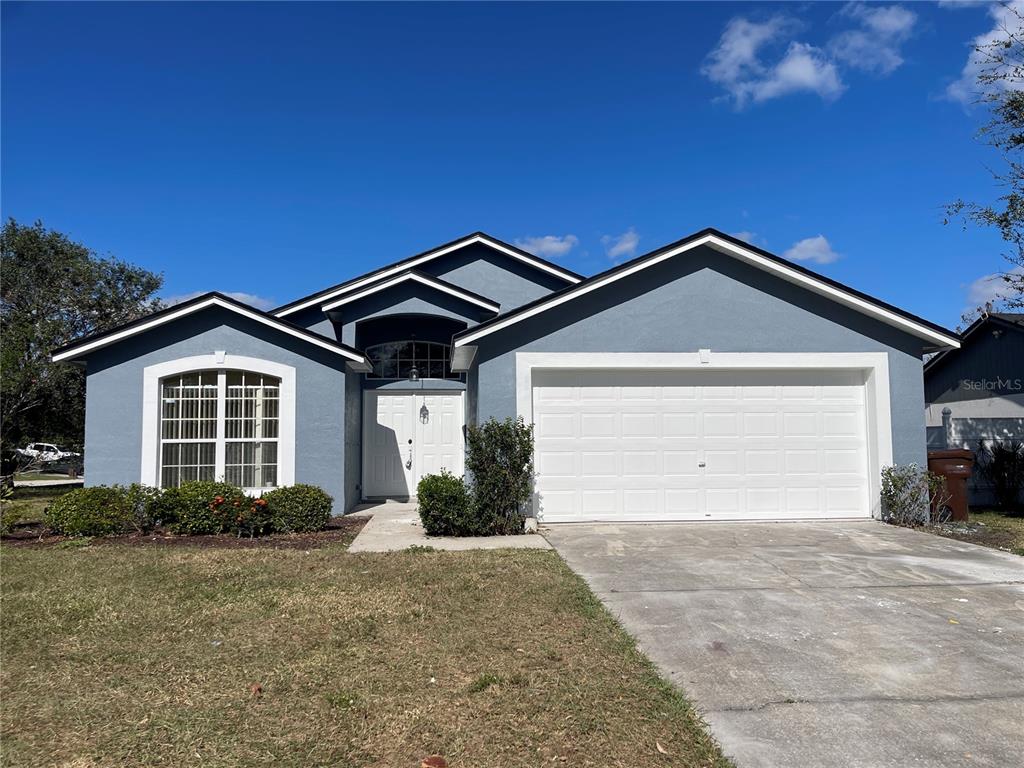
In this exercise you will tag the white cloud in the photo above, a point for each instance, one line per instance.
(737, 63)
(621, 246)
(875, 45)
(814, 249)
(548, 246)
(260, 302)
(965, 89)
(749, 237)
(991, 288)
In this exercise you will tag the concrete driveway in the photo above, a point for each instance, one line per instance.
(824, 644)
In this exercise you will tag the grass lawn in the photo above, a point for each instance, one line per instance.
(29, 503)
(991, 529)
(115, 655)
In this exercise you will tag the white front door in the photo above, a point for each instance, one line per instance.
(407, 435)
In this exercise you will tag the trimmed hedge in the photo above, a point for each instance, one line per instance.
(195, 508)
(299, 508)
(446, 506)
(97, 511)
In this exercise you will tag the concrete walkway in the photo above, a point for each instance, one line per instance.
(824, 645)
(395, 526)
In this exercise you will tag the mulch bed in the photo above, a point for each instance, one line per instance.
(339, 530)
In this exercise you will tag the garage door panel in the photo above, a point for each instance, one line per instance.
(651, 445)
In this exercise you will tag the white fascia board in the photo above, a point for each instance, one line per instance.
(407, 265)
(731, 249)
(424, 280)
(462, 358)
(77, 351)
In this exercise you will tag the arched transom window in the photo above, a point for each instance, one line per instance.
(220, 424)
(396, 359)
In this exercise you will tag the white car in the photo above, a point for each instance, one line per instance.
(46, 452)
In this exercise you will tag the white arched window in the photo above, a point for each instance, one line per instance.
(233, 422)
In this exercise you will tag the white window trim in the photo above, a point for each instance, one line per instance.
(874, 365)
(787, 273)
(151, 376)
(405, 265)
(423, 280)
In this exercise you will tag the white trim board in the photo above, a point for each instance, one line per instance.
(151, 376)
(744, 254)
(875, 366)
(430, 256)
(88, 346)
(431, 282)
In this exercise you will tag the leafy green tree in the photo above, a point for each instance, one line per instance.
(1000, 83)
(53, 290)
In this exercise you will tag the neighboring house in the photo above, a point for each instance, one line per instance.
(976, 393)
(708, 379)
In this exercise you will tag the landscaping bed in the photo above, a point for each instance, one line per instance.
(339, 530)
(990, 529)
(167, 656)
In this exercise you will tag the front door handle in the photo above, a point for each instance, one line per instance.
(702, 464)
(408, 464)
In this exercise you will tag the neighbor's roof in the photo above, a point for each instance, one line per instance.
(81, 347)
(743, 251)
(326, 295)
(1012, 320)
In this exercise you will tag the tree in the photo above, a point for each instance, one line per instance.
(1001, 89)
(53, 291)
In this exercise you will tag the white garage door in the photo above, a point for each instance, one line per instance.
(722, 445)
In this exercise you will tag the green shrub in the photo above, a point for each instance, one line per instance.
(446, 506)
(299, 508)
(143, 504)
(202, 507)
(1002, 465)
(96, 511)
(499, 457)
(909, 493)
(10, 516)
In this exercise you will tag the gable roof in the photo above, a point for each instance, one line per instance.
(730, 246)
(520, 255)
(412, 275)
(83, 346)
(1010, 320)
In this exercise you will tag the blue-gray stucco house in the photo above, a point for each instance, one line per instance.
(706, 380)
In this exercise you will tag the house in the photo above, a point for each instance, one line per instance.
(706, 380)
(976, 393)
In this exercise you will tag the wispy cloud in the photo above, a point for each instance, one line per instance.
(991, 288)
(756, 61)
(875, 45)
(965, 89)
(260, 302)
(548, 246)
(748, 237)
(622, 246)
(737, 63)
(813, 249)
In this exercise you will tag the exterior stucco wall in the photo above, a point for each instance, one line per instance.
(476, 268)
(114, 409)
(707, 300)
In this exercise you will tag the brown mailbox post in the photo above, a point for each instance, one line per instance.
(956, 466)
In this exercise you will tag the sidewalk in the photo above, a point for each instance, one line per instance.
(395, 526)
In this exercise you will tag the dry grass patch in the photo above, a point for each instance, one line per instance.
(990, 529)
(164, 657)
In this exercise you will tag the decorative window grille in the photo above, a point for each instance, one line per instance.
(220, 424)
(396, 359)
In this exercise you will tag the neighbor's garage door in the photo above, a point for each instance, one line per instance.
(652, 445)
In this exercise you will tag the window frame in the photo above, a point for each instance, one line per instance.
(220, 362)
(423, 371)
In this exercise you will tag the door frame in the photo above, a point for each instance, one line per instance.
(409, 392)
(874, 365)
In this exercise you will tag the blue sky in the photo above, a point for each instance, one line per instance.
(274, 149)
